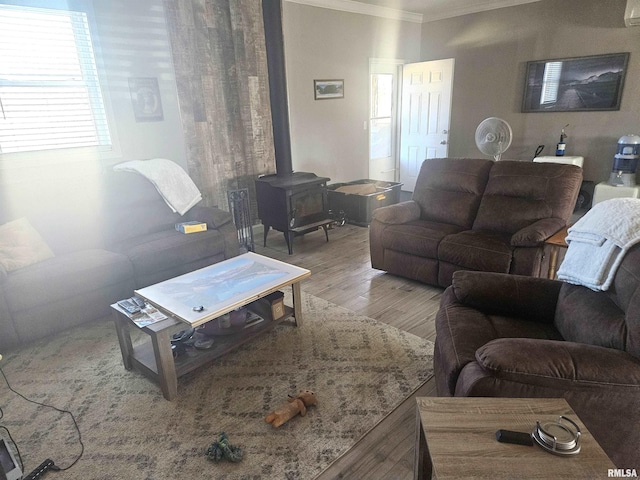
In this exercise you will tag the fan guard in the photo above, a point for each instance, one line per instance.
(493, 137)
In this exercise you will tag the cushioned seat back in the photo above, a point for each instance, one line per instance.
(520, 193)
(134, 207)
(449, 190)
(64, 211)
(608, 319)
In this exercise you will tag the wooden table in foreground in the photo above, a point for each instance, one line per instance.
(455, 439)
(231, 284)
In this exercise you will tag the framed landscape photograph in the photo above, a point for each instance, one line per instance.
(327, 89)
(575, 84)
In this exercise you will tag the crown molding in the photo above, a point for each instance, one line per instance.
(352, 6)
(450, 12)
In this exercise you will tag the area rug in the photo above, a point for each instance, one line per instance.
(360, 369)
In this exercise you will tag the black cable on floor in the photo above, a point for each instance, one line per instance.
(73, 418)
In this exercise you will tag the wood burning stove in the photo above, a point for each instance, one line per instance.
(293, 203)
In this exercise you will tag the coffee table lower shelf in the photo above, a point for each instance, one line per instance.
(154, 359)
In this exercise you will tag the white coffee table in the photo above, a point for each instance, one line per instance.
(218, 289)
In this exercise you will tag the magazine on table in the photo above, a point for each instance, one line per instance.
(146, 316)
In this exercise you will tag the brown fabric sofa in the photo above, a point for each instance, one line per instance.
(503, 335)
(121, 238)
(474, 214)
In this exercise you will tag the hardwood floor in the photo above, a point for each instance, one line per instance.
(342, 274)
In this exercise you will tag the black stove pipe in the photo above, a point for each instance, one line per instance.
(274, 40)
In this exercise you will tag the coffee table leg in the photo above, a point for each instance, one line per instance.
(297, 303)
(124, 338)
(165, 364)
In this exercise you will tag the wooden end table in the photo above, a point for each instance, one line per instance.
(233, 283)
(556, 242)
(455, 439)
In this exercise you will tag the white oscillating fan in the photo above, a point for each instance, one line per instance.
(493, 137)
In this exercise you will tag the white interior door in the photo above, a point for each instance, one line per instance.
(426, 111)
(384, 81)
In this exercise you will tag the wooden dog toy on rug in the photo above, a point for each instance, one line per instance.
(296, 405)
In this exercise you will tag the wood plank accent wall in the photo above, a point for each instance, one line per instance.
(222, 79)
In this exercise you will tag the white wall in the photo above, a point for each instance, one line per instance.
(327, 136)
(491, 51)
(130, 40)
(134, 42)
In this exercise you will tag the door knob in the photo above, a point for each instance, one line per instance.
(445, 131)
(443, 142)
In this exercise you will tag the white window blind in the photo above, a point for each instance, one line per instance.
(49, 90)
(550, 82)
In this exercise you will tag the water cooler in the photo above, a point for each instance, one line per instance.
(622, 181)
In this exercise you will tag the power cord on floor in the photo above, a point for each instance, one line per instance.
(73, 418)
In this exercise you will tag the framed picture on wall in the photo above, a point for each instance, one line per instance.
(575, 84)
(327, 89)
(145, 98)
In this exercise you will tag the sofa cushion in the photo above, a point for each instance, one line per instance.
(585, 316)
(474, 250)
(397, 213)
(559, 364)
(520, 193)
(449, 190)
(21, 245)
(420, 237)
(169, 249)
(65, 275)
(133, 207)
(608, 319)
(462, 330)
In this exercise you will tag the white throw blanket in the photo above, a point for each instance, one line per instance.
(169, 178)
(599, 241)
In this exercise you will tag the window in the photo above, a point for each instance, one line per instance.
(381, 111)
(551, 83)
(50, 95)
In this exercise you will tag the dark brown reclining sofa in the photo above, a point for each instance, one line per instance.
(474, 214)
(512, 336)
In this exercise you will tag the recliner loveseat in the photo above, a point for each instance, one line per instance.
(474, 214)
(513, 336)
(108, 238)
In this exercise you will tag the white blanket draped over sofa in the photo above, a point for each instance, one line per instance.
(599, 241)
(172, 182)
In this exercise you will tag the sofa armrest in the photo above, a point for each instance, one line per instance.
(530, 298)
(536, 233)
(398, 213)
(213, 216)
(558, 364)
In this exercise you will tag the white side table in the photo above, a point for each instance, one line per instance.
(605, 191)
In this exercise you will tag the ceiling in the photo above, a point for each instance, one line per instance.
(415, 10)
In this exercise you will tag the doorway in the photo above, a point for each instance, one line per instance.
(384, 81)
(425, 117)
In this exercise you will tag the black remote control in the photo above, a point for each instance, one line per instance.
(519, 438)
(41, 470)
